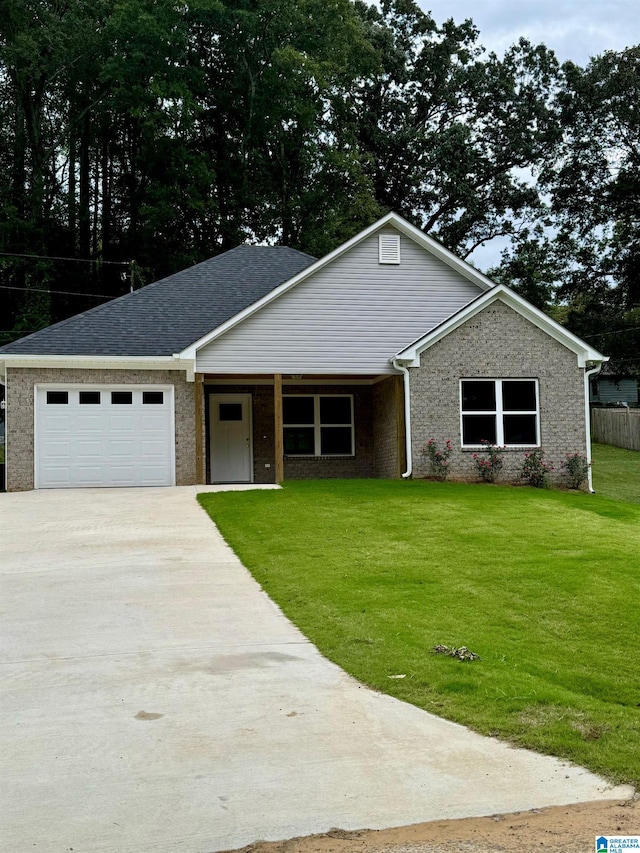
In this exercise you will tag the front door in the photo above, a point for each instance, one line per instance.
(230, 429)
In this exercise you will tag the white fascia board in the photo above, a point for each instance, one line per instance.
(585, 353)
(96, 362)
(393, 219)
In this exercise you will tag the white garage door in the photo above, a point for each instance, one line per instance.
(104, 436)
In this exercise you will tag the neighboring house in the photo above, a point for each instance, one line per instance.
(613, 389)
(264, 364)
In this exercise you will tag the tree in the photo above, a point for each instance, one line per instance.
(446, 133)
(594, 184)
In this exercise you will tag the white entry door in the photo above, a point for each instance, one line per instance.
(230, 428)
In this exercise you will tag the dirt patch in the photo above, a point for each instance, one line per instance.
(563, 829)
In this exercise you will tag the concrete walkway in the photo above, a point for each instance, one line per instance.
(156, 701)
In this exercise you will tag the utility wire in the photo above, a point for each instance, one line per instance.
(55, 292)
(614, 332)
(74, 260)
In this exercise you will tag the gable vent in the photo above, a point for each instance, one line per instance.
(389, 248)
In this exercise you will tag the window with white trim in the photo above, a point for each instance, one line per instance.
(505, 412)
(318, 425)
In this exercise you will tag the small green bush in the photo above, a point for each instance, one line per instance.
(577, 468)
(489, 461)
(536, 470)
(438, 459)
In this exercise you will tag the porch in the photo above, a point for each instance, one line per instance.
(271, 428)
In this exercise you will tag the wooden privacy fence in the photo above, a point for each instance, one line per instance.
(620, 427)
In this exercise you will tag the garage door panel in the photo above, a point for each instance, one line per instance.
(153, 476)
(120, 423)
(88, 476)
(85, 423)
(92, 441)
(89, 447)
(59, 477)
(59, 423)
(121, 475)
(153, 447)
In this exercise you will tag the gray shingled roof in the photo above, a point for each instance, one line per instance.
(166, 317)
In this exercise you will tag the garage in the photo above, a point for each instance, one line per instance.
(89, 436)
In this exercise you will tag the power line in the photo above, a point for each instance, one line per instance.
(614, 332)
(55, 292)
(73, 260)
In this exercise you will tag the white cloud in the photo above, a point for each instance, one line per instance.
(574, 30)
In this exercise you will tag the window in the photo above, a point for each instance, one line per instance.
(89, 398)
(318, 425)
(57, 398)
(121, 398)
(230, 411)
(501, 411)
(152, 398)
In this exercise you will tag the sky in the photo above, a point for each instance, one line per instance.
(574, 29)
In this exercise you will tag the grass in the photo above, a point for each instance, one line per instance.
(543, 585)
(616, 472)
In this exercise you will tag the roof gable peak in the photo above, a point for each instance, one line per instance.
(390, 219)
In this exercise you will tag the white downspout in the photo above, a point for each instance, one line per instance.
(407, 417)
(587, 417)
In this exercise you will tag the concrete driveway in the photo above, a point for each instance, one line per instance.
(155, 699)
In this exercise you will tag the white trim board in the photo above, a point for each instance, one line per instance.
(98, 362)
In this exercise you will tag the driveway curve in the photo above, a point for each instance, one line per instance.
(155, 700)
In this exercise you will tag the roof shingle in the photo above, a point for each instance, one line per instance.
(166, 317)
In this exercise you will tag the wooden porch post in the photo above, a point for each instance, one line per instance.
(199, 416)
(277, 408)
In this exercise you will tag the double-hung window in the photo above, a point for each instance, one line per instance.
(505, 412)
(318, 425)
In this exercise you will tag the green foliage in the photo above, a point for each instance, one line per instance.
(377, 573)
(438, 459)
(577, 468)
(535, 469)
(167, 133)
(594, 183)
(489, 462)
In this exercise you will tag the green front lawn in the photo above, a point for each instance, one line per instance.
(543, 585)
(616, 472)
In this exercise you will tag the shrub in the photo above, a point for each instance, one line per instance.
(489, 461)
(577, 469)
(438, 459)
(535, 470)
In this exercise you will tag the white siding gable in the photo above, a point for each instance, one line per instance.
(351, 316)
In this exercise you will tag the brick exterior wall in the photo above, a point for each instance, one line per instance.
(20, 425)
(498, 343)
(385, 427)
(304, 468)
